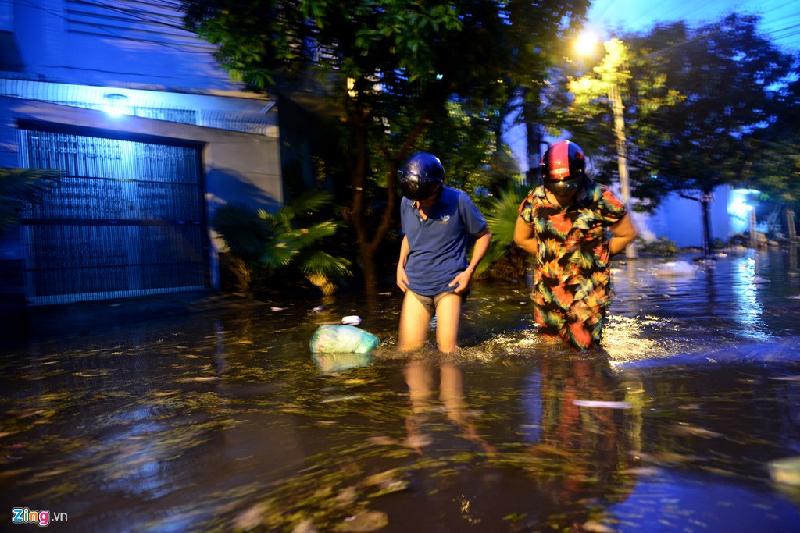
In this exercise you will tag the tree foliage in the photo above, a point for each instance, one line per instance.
(775, 163)
(694, 100)
(697, 102)
(18, 187)
(284, 241)
(727, 76)
(395, 74)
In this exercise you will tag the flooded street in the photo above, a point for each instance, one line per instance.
(224, 420)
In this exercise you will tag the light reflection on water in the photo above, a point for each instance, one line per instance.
(224, 419)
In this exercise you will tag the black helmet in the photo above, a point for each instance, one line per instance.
(422, 176)
(563, 168)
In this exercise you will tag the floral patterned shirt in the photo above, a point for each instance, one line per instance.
(571, 279)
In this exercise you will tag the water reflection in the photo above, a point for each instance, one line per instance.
(750, 311)
(225, 420)
(419, 375)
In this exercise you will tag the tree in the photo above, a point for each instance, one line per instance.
(775, 157)
(389, 70)
(695, 98)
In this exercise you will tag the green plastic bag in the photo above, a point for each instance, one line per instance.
(342, 339)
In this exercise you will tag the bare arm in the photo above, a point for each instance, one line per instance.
(402, 279)
(478, 251)
(524, 236)
(622, 233)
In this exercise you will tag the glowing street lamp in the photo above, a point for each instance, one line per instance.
(609, 72)
(586, 43)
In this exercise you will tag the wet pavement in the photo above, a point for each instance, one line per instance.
(223, 420)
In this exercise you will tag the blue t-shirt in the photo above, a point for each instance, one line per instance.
(438, 245)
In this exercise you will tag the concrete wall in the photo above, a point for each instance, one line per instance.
(681, 219)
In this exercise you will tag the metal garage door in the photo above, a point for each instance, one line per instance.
(126, 219)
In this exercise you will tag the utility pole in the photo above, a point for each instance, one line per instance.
(610, 74)
(622, 155)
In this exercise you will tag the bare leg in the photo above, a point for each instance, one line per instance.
(448, 316)
(414, 321)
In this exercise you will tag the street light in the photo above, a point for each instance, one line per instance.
(609, 74)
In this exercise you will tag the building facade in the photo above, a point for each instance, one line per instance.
(149, 136)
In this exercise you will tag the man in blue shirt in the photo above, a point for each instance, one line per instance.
(438, 222)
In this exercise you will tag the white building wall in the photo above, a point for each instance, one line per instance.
(681, 219)
(114, 42)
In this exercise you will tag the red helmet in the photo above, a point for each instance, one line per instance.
(563, 168)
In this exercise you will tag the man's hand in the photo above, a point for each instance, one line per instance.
(461, 281)
(402, 279)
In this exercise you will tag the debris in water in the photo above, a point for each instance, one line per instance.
(597, 527)
(351, 320)
(365, 521)
(346, 497)
(381, 440)
(643, 471)
(602, 404)
(786, 470)
(250, 518)
(276, 309)
(306, 526)
(675, 268)
(348, 397)
(682, 428)
(202, 379)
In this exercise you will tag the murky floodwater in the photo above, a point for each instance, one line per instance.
(224, 420)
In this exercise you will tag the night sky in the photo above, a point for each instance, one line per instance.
(780, 18)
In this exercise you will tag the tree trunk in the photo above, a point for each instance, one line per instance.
(705, 203)
(359, 165)
(533, 135)
(369, 269)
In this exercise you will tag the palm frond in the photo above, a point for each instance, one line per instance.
(319, 262)
(502, 215)
(501, 218)
(307, 203)
(19, 186)
(280, 252)
(244, 232)
(287, 246)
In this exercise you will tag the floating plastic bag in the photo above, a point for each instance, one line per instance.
(342, 339)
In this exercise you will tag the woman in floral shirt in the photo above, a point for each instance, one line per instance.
(562, 223)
